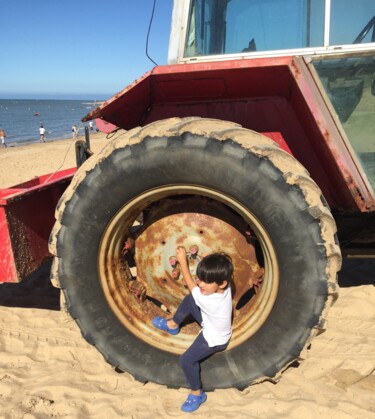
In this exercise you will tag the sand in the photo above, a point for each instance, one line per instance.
(48, 370)
(21, 163)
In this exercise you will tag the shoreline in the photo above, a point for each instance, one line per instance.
(48, 138)
(30, 141)
(21, 118)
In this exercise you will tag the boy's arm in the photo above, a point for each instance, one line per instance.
(181, 257)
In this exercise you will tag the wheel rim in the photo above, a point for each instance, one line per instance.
(138, 293)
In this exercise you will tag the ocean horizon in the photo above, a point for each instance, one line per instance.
(21, 118)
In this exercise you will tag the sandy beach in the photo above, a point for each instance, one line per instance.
(48, 370)
(21, 163)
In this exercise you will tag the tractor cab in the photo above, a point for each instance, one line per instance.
(336, 38)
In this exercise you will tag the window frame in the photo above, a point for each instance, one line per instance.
(179, 32)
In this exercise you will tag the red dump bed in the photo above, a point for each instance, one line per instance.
(26, 220)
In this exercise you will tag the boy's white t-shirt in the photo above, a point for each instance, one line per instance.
(216, 312)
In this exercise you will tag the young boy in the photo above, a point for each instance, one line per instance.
(210, 303)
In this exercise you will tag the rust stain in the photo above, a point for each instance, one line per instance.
(295, 69)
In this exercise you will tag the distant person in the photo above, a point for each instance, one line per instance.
(74, 131)
(42, 132)
(2, 137)
(91, 126)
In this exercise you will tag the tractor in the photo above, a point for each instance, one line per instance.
(257, 140)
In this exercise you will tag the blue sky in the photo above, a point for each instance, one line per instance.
(78, 48)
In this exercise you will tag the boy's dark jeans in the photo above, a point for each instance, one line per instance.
(199, 350)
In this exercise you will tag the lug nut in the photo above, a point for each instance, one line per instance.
(249, 235)
(173, 261)
(194, 251)
(138, 289)
(129, 243)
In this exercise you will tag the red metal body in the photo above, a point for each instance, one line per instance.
(26, 220)
(265, 95)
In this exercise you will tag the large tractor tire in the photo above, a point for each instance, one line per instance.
(209, 185)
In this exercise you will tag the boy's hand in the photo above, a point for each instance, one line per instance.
(186, 275)
(181, 255)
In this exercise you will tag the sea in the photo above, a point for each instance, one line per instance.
(21, 118)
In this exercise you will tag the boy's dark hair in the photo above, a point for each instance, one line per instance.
(216, 267)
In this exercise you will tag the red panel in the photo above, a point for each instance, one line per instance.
(26, 220)
(137, 94)
(192, 82)
(8, 271)
(342, 174)
(39, 183)
(104, 126)
(279, 139)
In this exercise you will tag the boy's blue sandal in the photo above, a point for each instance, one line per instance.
(193, 402)
(161, 324)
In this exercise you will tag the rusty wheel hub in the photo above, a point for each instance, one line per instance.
(140, 276)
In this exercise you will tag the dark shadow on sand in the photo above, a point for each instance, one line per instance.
(355, 272)
(36, 290)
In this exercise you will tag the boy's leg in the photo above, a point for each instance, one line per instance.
(187, 307)
(190, 360)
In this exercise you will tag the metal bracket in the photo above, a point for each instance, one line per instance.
(83, 151)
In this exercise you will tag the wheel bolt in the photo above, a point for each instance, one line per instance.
(194, 251)
(129, 243)
(173, 261)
